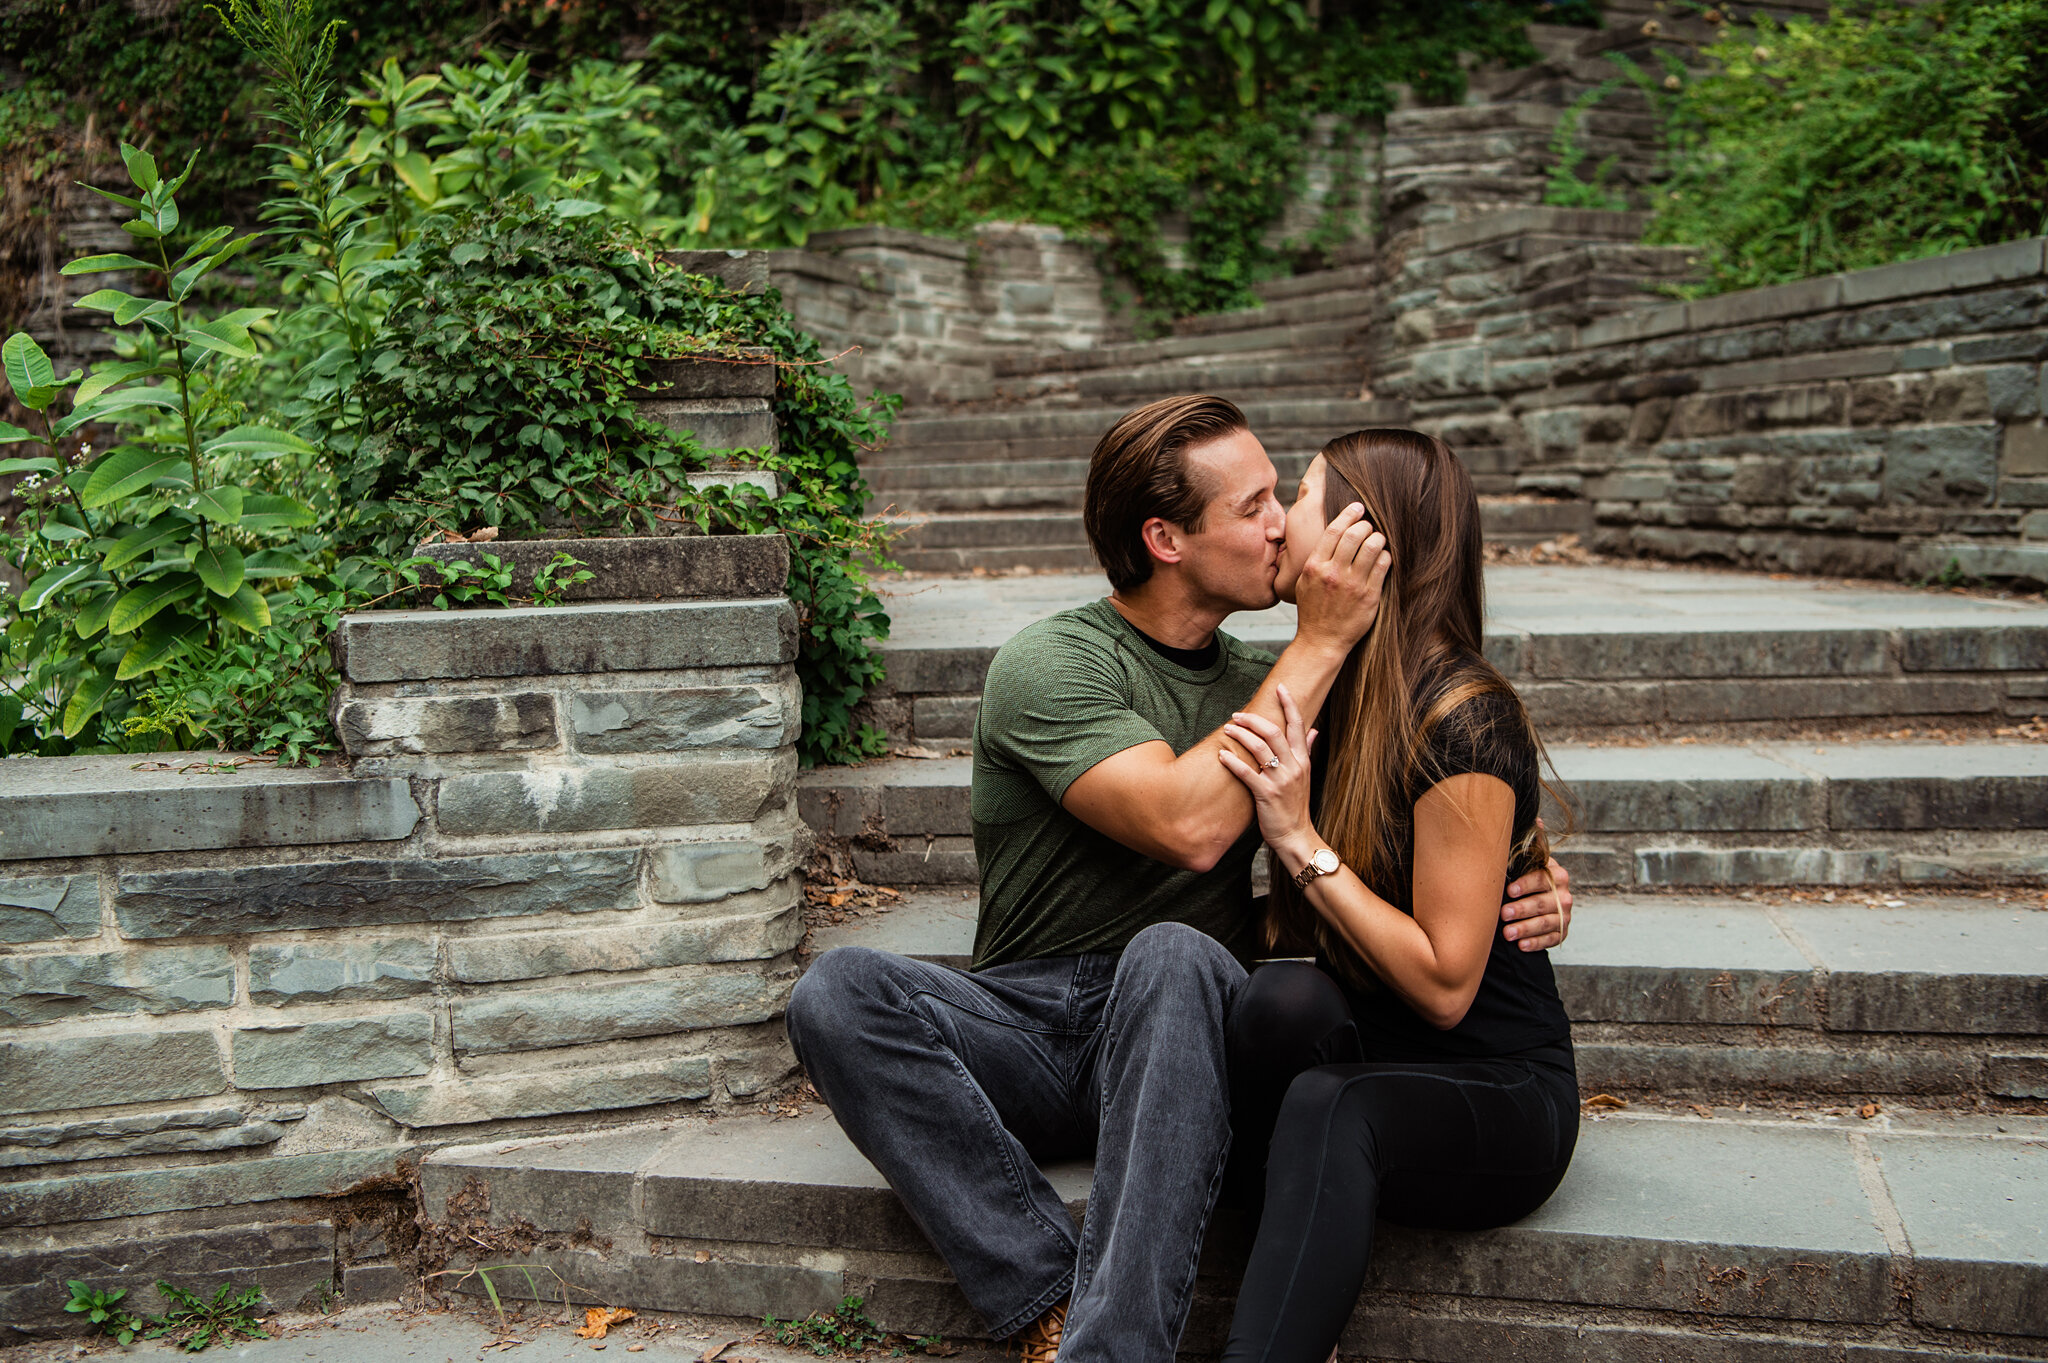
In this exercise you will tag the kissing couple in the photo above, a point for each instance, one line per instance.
(1380, 1035)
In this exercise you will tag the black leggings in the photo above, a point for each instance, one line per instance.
(1456, 1145)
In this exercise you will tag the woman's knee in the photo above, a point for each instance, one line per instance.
(1286, 1007)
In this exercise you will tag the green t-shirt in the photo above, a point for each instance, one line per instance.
(1061, 696)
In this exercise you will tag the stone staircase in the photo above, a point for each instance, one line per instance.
(1807, 971)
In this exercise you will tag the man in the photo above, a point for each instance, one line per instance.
(1115, 854)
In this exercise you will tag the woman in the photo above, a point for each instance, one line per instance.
(1422, 1068)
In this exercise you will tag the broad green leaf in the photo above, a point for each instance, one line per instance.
(105, 376)
(105, 300)
(220, 567)
(418, 174)
(244, 317)
(122, 199)
(108, 406)
(576, 208)
(147, 540)
(26, 364)
(141, 167)
(257, 440)
(130, 470)
(223, 337)
(222, 505)
(137, 309)
(92, 617)
(157, 643)
(86, 701)
(205, 244)
(38, 398)
(142, 230)
(40, 591)
(101, 264)
(11, 434)
(137, 605)
(263, 511)
(274, 562)
(246, 608)
(37, 465)
(58, 532)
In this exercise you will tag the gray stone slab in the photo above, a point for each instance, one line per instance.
(52, 987)
(46, 908)
(103, 1071)
(793, 1182)
(545, 1093)
(1980, 785)
(1696, 788)
(331, 970)
(364, 892)
(520, 722)
(1682, 1216)
(646, 567)
(1976, 1213)
(713, 996)
(557, 1183)
(1697, 962)
(332, 1051)
(1763, 866)
(88, 806)
(703, 788)
(934, 925)
(151, 1133)
(1679, 651)
(423, 645)
(760, 927)
(143, 1192)
(1789, 1064)
(704, 872)
(290, 1262)
(676, 1282)
(681, 719)
(1969, 967)
(750, 373)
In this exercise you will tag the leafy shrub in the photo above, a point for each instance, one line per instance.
(1878, 135)
(142, 553)
(504, 378)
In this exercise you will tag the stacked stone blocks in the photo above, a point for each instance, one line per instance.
(556, 882)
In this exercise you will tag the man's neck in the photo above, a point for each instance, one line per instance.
(1157, 608)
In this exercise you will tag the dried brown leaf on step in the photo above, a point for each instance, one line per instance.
(942, 1349)
(1868, 1110)
(1606, 1100)
(712, 1355)
(703, 1256)
(1701, 1108)
(598, 1319)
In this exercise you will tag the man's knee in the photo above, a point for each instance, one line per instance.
(837, 989)
(1175, 951)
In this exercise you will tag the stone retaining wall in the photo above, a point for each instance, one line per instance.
(1882, 423)
(930, 313)
(556, 882)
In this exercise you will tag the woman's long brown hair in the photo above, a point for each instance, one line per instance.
(1429, 636)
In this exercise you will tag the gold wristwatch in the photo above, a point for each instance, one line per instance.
(1323, 863)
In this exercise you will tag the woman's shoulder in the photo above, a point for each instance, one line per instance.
(1474, 722)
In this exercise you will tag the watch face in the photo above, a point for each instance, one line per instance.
(1325, 861)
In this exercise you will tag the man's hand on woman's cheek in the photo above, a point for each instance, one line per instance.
(1538, 916)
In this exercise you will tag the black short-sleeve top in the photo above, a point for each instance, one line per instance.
(1517, 1010)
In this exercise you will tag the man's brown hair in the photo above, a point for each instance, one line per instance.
(1139, 470)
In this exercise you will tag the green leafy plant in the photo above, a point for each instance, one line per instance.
(139, 554)
(844, 1330)
(1565, 186)
(517, 343)
(104, 1312)
(1878, 134)
(194, 1322)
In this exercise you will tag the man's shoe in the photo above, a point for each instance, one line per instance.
(1040, 1342)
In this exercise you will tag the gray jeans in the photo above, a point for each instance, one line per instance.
(955, 1084)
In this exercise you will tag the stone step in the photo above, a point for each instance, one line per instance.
(1305, 308)
(890, 482)
(1250, 380)
(1714, 997)
(1306, 339)
(949, 526)
(1674, 1237)
(1872, 812)
(1593, 650)
(1343, 278)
